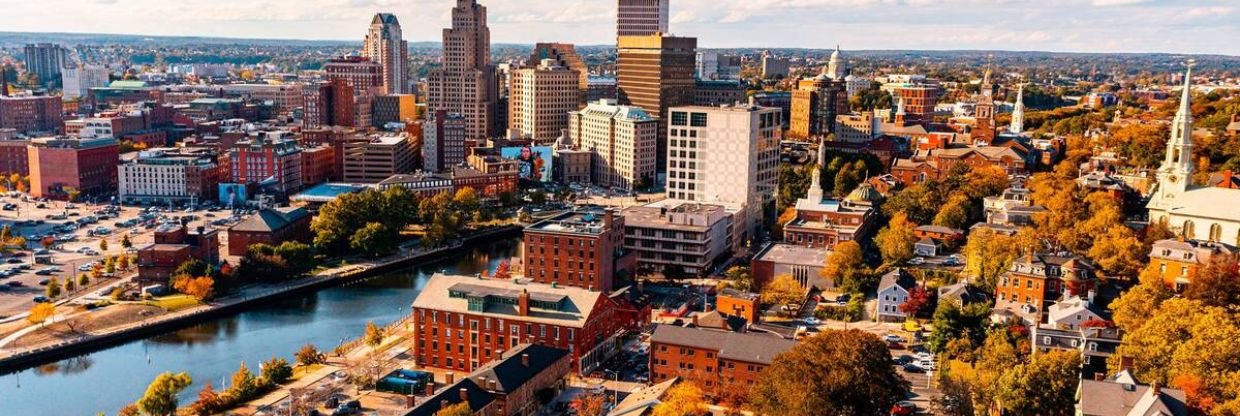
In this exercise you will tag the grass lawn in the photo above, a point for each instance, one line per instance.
(174, 303)
(304, 370)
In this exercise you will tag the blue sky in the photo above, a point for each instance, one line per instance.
(1179, 26)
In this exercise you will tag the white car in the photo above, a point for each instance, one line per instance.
(916, 261)
(812, 321)
(893, 338)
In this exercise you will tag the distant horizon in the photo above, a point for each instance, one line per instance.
(438, 42)
(1197, 27)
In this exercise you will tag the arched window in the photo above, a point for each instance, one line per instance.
(1216, 232)
(1188, 230)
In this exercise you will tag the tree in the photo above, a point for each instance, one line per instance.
(191, 268)
(109, 265)
(919, 300)
(47, 242)
(740, 278)
(952, 323)
(129, 410)
(459, 409)
(955, 213)
(847, 371)
(125, 243)
(783, 291)
(683, 399)
(122, 262)
(309, 355)
(1132, 309)
(160, 398)
(201, 287)
(40, 312)
(1217, 283)
(244, 385)
(987, 256)
(374, 334)
(69, 285)
(501, 270)
(103, 244)
(956, 398)
(1044, 386)
(466, 200)
(896, 240)
(297, 255)
(374, 239)
(209, 402)
(53, 288)
(276, 371)
(589, 404)
(846, 267)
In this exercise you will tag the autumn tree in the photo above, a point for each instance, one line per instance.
(1044, 386)
(125, 243)
(1132, 309)
(70, 285)
(502, 269)
(209, 402)
(103, 245)
(1216, 283)
(987, 256)
(160, 398)
(740, 278)
(201, 287)
(955, 213)
(953, 323)
(847, 371)
(459, 409)
(683, 399)
(589, 403)
(846, 268)
(40, 312)
(783, 291)
(83, 280)
(275, 371)
(309, 355)
(919, 301)
(374, 334)
(243, 384)
(895, 241)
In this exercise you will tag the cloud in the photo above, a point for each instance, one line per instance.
(1105, 3)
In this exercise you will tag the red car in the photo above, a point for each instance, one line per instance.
(903, 409)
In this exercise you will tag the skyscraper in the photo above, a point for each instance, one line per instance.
(384, 45)
(565, 55)
(656, 72)
(641, 17)
(540, 98)
(45, 60)
(465, 84)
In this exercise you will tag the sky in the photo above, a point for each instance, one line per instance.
(1173, 26)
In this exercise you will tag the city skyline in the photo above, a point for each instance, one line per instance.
(1194, 26)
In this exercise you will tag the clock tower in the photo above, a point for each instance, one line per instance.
(1177, 168)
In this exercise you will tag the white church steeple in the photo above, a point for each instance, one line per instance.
(815, 186)
(1018, 112)
(1177, 167)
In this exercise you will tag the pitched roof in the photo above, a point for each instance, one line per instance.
(746, 347)
(269, 220)
(642, 401)
(896, 277)
(1110, 398)
(450, 395)
(511, 373)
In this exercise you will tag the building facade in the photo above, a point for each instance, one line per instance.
(270, 226)
(362, 74)
(816, 103)
(712, 358)
(443, 141)
(376, 158)
(385, 45)
(685, 235)
(642, 17)
(77, 81)
(45, 60)
(655, 73)
(68, 168)
(267, 158)
(32, 115)
(575, 249)
(621, 140)
(180, 175)
(540, 98)
(466, 83)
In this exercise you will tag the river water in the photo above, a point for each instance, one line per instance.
(106, 380)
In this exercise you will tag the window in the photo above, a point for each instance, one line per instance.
(680, 118)
(697, 120)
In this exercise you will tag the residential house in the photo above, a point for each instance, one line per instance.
(893, 291)
(1096, 345)
(1073, 312)
(1178, 260)
(1121, 395)
(641, 402)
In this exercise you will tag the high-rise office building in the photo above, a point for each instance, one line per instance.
(385, 45)
(540, 98)
(642, 17)
(45, 60)
(466, 83)
(725, 155)
(656, 72)
(443, 141)
(77, 81)
(565, 55)
(621, 140)
(816, 103)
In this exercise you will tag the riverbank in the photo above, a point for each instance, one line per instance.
(18, 359)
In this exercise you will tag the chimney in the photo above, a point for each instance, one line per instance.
(695, 319)
(449, 378)
(430, 389)
(523, 303)
(525, 360)
(1156, 388)
(491, 385)
(464, 394)
(608, 216)
(410, 401)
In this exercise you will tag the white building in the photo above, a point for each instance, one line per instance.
(541, 98)
(1195, 212)
(622, 140)
(727, 155)
(707, 65)
(78, 81)
(678, 233)
(160, 176)
(893, 291)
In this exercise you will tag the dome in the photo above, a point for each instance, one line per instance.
(563, 142)
(864, 194)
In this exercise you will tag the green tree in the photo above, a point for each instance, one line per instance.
(374, 334)
(52, 291)
(276, 371)
(375, 239)
(740, 278)
(160, 398)
(297, 255)
(895, 241)
(848, 371)
(1044, 386)
(83, 280)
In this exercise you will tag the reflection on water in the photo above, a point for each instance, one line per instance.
(210, 351)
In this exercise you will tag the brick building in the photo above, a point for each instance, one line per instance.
(269, 226)
(1178, 261)
(61, 167)
(377, 157)
(710, 357)
(509, 386)
(361, 74)
(464, 323)
(574, 249)
(269, 158)
(317, 165)
(487, 184)
(14, 158)
(32, 115)
(746, 305)
(164, 175)
(173, 245)
(1032, 281)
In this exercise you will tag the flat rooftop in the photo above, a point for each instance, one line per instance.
(576, 222)
(794, 254)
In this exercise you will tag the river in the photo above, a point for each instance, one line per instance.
(106, 380)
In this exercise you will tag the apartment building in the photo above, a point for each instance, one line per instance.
(170, 175)
(690, 236)
(622, 140)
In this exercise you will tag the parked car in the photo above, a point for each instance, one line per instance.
(911, 368)
(40, 299)
(15, 283)
(893, 338)
(903, 409)
(917, 261)
(44, 282)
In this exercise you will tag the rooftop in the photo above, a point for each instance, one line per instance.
(782, 253)
(511, 372)
(745, 347)
(575, 222)
(270, 219)
(326, 192)
(549, 304)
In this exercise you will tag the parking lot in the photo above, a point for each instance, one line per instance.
(74, 231)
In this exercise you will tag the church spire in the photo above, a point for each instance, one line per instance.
(1177, 167)
(1018, 111)
(815, 185)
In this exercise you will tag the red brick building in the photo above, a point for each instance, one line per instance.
(62, 166)
(269, 226)
(742, 304)
(574, 249)
(1034, 280)
(175, 245)
(32, 115)
(937, 163)
(14, 158)
(711, 357)
(317, 165)
(488, 185)
(464, 323)
(361, 74)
